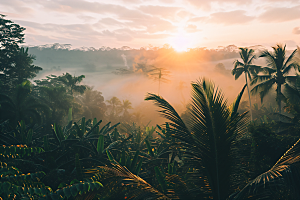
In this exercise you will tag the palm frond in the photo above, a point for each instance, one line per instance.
(237, 72)
(263, 88)
(285, 171)
(270, 58)
(288, 68)
(119, 180)
(260, 78)
(287, 65)
(170, 113)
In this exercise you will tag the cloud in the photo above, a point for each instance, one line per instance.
(198, 19)
(162, 11)
(18, 6)
(192, 28)
(86, 18)
(229, 18)
(296, 30)
(205, 4)
(280, 14)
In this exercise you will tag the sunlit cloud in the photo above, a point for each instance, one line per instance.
(228, 18)
(280, 14)
(142, 22)
(296, 30)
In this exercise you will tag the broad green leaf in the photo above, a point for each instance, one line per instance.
(100, 144)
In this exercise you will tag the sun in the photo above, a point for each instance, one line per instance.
(180, 43)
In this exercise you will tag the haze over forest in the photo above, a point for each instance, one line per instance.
(123, 72)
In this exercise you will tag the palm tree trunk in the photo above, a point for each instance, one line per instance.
(249, 96)
(279, 97)
(158, 85)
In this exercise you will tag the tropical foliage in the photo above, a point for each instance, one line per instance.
(60, 139)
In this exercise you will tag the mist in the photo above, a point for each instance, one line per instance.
(125, 73)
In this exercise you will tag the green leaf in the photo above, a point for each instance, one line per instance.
(98, 185)
(82, 127)
(149, 148)
(46, 143)
(128, 162)
(100, 144)
(78, 167)
(6, 186)
(86, 187)
(123, 158)
(110, 156)
(67, 192)
(160, 179)
(61, 185)
(135, 160)
(138, 168)
(29, 136)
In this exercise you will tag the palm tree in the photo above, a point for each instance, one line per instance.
(72, 83)
(214, 129)
(247, 68)
(125, 106)
(114, 102)
(277, 70)
(158, 73)
(92, 103)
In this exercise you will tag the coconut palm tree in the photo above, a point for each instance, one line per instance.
(159, 74)
(277, 70)
(209, 139)
(125, 106)
(247, 68)
(113, 103)
(71, 82)
(92, 103)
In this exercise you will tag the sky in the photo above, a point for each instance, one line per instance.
(140, 23)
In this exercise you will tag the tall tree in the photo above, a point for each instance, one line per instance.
(247, 68)
(124, 107)
(23, 67)
(159, 74)
(113, 103)
(92, 103)
(276, 72)
(15, 62)
(72, 83)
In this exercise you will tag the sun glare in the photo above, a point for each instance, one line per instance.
(180, 43)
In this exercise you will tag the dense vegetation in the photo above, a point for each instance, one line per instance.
(61, 140)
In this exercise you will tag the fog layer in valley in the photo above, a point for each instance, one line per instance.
(131, 74)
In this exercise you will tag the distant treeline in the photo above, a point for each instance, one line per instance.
(58, 56)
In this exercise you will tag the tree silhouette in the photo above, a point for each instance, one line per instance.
(93, 104)
(22, 105)
(71, 82)
(15, 62)
(23, 68)
(159, 74)
(113, 103)
(247, 68)
(277, 72)
(124, 107)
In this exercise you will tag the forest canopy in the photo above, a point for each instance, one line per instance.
(62, 139)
